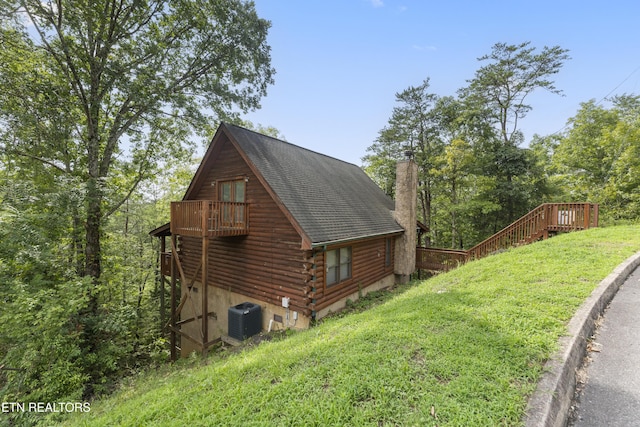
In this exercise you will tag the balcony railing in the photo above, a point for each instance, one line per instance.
(205, 218)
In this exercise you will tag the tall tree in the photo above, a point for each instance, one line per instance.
(132, 80)
(410, 128)
(499, 92)
(455, 173)
(598, 158)
(505, 83)
(139, 72)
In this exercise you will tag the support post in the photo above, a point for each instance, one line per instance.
(172, 335)
(205, 296)
(163, 248)
(587, 215)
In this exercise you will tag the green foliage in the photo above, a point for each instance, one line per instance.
(120, 87)
(46, 303)
(498, 93)
(410, 128)
(598, 158)
(502, 86)
(474, 178)
(100, 96)
(463, 348)
(41, 295)
(454, 203)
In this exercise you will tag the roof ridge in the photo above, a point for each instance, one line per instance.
(291, 144)
(328, 198)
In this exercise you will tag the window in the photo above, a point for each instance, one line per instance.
(338, 263)
(232, 191)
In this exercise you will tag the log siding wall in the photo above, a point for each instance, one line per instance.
(269, 263)
(368, 265)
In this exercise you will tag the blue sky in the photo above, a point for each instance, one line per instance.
(339, 63)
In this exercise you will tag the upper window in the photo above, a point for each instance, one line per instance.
(338, 263)
(233, 214)
(232, 191)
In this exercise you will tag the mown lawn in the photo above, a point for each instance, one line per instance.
(461, 349)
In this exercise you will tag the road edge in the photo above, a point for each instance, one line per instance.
(549, 404)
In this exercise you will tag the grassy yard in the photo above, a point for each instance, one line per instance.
(461, 349)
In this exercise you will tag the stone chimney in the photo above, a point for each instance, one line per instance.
(405, 215)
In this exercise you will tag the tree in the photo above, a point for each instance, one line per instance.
(130, 82)
(410, 128)
(499, 93)
(467, 148)
(142, 72)
(40, 293)
(598, 158)
(455, 173)
(380, 164)
(503, 85)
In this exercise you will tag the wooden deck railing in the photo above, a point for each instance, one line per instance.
(537, 224)
(572, 216)
(434, 259)
(205, 218)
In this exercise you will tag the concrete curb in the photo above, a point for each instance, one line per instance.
(549, 404)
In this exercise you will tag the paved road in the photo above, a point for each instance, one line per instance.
(611, 396)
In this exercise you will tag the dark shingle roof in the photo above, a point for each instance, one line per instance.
(330, 199)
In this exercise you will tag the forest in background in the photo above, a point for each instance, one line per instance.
(101, 109)
(476, 174)
(94, 146)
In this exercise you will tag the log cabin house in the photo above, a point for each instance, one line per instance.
(274, 225)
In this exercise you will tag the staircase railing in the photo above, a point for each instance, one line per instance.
(525, 230)
(537, 224)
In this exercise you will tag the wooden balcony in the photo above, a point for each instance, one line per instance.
(571, 216)
(205, 218)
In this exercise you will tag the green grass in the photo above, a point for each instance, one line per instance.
(464, 348)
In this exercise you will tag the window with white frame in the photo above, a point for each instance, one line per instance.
(338, 265)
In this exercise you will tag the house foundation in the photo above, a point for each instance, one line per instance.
(274, 317)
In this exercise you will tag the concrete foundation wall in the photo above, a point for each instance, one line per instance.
(220, 300)
(380, 284)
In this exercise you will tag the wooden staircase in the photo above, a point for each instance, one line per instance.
(545, 220)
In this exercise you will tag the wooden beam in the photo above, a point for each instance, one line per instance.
(172, 334)
(191, 319)
(176, 313)
(205, 295)
(163, 248)
(176, 258)
(210, 343)
(187, 336)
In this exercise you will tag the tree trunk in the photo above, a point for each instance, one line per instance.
(454, 205)
(93, 228)
(77, 249)
(89, 315)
